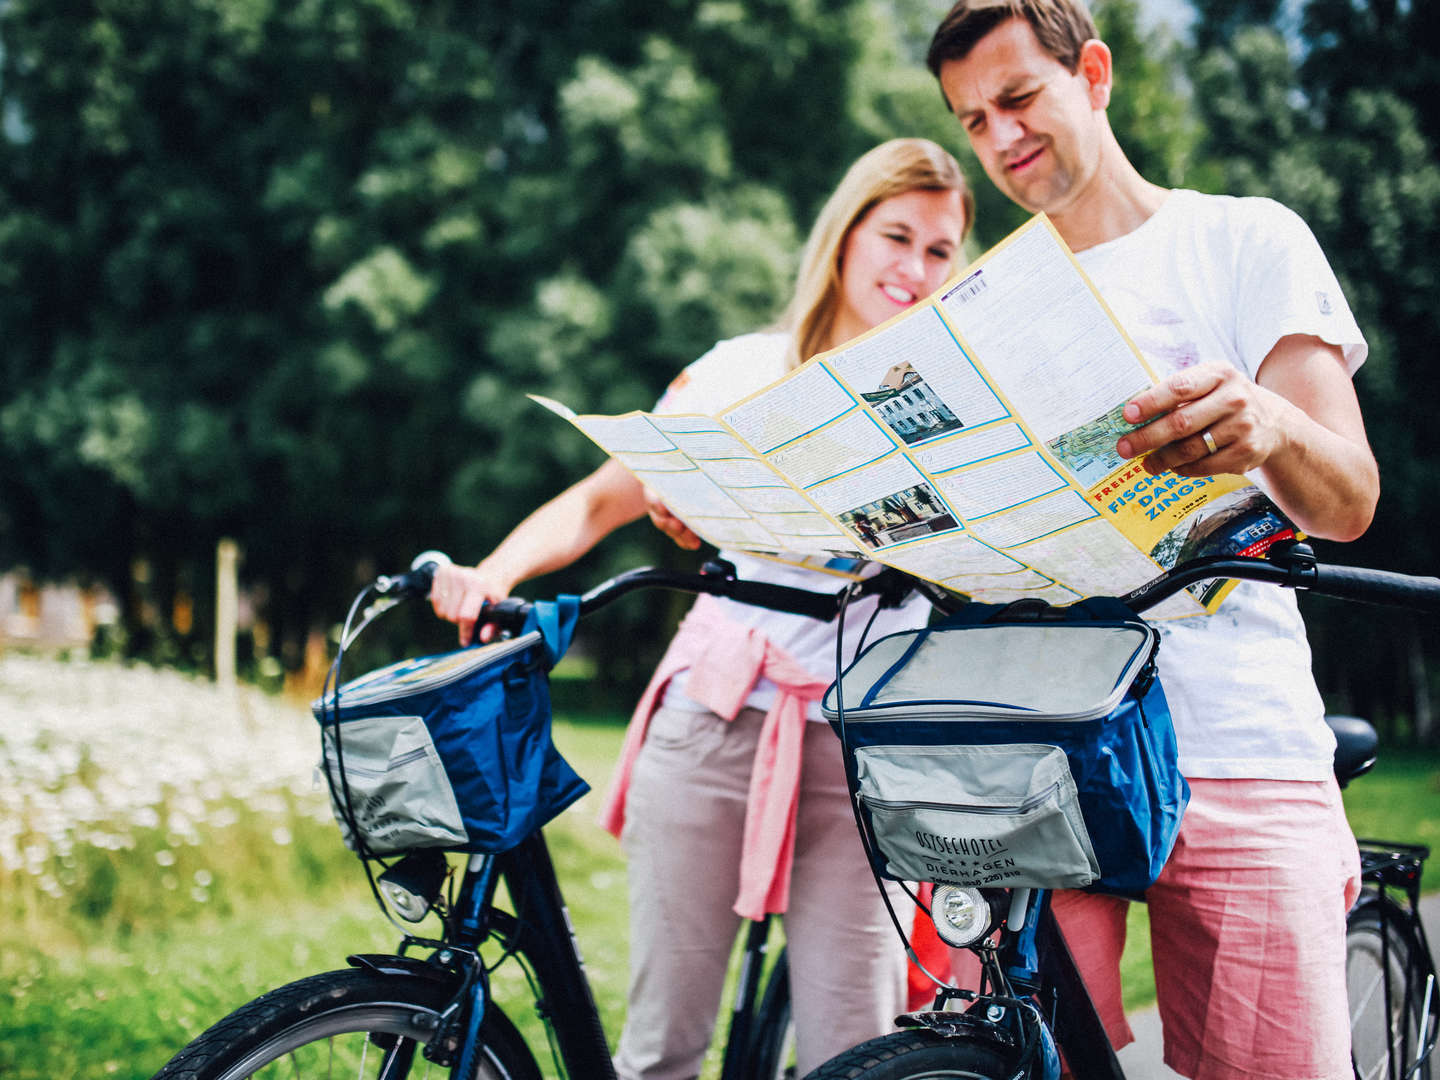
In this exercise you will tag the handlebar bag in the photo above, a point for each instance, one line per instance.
(451, 751)
(1012, 745)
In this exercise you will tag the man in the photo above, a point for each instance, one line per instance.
(1235, 306)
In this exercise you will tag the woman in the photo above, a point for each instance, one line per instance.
(706, 834)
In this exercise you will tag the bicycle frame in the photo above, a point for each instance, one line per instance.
(541, 933)
(1032, 998)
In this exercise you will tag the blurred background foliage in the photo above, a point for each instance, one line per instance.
(284, 271)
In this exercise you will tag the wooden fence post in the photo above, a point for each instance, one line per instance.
(227, 610)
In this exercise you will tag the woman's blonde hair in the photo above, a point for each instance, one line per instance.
(890, 169)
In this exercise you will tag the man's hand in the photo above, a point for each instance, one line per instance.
(668, 523)
(1298, 424)
(1205, 420)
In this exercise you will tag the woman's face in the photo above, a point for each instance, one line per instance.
(899, 252)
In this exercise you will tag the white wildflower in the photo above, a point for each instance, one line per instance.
(97, 753)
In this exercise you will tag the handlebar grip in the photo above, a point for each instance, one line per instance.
(411, 583)
(417, 580)
(782, 598)
(1377, 587)
(509, 614)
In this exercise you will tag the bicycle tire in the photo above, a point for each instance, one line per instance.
(1373, 929)
(341, 1023)
(916, 1055)
(772, 1050)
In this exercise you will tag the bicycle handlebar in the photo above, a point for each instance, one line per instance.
(417, 580)
(717, 578)
(1294, 566)
(1290, 566)
(1377, 587)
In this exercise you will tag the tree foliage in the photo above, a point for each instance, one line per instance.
(285, 271)
(1325, 124)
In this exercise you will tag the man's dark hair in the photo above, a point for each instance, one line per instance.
(1061, 26)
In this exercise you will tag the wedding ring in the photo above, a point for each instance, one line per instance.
(1209, 441)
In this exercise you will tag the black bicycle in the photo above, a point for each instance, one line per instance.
(1389, 968)
(427, 1009)
(1030, 1001)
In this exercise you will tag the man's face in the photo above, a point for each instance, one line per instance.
(1033, 124)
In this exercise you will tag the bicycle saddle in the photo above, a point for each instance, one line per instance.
(1355, 744)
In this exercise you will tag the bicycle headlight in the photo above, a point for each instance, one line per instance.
(961, 915)
(412, 885)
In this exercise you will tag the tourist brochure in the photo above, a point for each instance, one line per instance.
(969, 440)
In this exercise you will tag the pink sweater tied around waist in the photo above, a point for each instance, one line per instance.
(725, 661)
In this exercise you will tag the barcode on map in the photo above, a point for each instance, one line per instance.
(968, 289)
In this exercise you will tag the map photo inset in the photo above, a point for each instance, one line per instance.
(905, 515)
(1089, 451)
(909, 407)
(1241, 523)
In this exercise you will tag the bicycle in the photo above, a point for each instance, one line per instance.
(402, 1014)
(1030, 1006)
(1389, 968)
(440, 1005)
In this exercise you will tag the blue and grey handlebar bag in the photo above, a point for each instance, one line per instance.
(1013, 746)
(451, 751)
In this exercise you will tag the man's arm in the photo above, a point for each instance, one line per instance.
(1299, 423)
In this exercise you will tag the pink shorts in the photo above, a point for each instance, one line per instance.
(1247, 928)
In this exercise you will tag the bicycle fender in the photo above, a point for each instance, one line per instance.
(972, 1027)
(956, 1025)
(390, 964)
(1049, 1054)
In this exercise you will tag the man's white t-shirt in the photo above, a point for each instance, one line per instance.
(1217, 278)
(725, 374)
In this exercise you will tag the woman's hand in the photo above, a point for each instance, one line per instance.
(459, 593)
(668, 523)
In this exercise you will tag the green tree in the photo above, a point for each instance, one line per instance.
(1380, 44)
(1150, 109)
(1354, 160)
(285, 271)
(1217, 20)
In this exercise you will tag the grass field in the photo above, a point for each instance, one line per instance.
(165, 855)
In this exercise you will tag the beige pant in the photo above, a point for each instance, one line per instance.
(683, 826)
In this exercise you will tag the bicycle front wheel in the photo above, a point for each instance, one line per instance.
(916, 1055)
(1384, 976)
(354, 1024)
